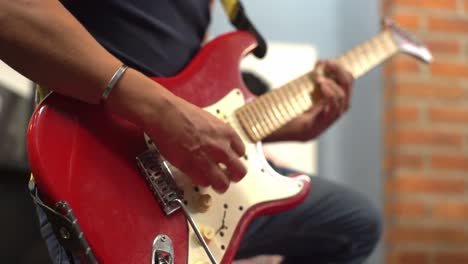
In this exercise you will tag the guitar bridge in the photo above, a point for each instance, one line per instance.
(159, 178)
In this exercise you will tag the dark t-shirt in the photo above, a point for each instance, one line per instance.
(157, 37)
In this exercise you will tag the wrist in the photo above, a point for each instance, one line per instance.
(137, 98)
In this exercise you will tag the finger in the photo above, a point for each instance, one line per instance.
(205, 168)
(229, 163)
(234, 169)
(319, 68)
(341, 98)
(196, 173)
(343, 78)
(237, 144)
(219, 180)
(339, 73)
(329, 91)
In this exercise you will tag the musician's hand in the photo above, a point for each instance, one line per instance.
(335, 84)
(196, 142)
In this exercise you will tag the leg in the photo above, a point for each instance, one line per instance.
(56, 251)
(333, 225)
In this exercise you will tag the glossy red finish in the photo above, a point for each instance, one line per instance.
(84, 155)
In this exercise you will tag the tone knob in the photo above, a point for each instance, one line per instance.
(207, 233)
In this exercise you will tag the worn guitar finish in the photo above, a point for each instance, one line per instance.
(84, 155)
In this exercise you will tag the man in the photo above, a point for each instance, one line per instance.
(75, 47)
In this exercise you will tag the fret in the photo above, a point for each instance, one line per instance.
(254, 117)
(306, 89)
(274, 106)
(277, 107)
(388, 41)
(246, 123)
(360, 59)
(345, 62)
(269, 122)
(301, 103)
(371, 55)
(379, 50)
(259, 117)
(355, 62)
(287, 102)
(295, 103)
(383, 46)
(366, 57)
(363, 57)
(269, 118)
(279, 100)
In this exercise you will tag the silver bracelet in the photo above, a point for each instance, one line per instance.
(113, 81)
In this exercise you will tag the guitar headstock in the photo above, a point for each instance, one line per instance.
(407, 42)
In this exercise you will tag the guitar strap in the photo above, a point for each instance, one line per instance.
(238, 17)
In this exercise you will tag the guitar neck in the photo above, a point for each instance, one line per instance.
(267, 113)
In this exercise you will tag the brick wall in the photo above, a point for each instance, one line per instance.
(426, 137)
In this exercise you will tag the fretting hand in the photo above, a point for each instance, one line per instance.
(335, 84)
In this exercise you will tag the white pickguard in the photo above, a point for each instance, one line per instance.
(261, 184)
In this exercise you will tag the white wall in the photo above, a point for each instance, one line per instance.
(13, 81)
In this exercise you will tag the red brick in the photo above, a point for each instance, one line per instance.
(404, 209)
(450, 69)
(428, 4)
(425, 225)
(424, 184)
(451, 258)
(427, 235)
(407, 21)
(401, 64)
(402, 114)
(451, 25)
(425, 137)
(413, 161)
(407, 257)
(450, 162)
(446, 46)
(449, 114)
(426, 90)
(451, 211)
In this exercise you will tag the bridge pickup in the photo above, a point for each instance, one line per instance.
(159, 178)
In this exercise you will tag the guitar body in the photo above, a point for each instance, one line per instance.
(84, 155)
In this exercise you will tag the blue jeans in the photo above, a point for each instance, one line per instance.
(333, 225)
(56, 251)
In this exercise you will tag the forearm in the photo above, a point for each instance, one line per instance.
(43, 41)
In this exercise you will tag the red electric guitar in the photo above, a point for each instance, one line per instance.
(126, 204)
